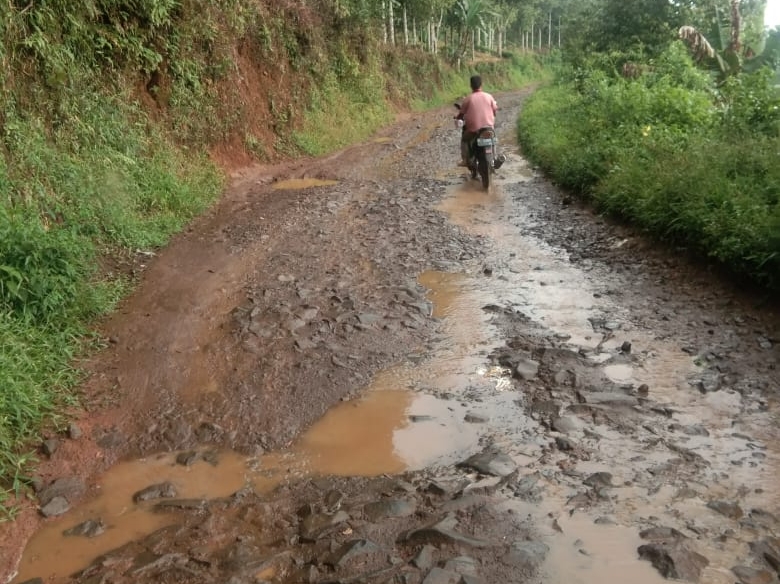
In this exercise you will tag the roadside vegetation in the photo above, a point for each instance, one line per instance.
(117, 120)
(673, 129)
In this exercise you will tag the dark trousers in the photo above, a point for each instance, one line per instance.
(466, 138)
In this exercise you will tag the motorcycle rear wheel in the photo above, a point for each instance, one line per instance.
(484, 169)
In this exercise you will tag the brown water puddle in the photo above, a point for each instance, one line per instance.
(302, 183)
(390, 429)
(542, 284)
(53, 556)
(411, 417)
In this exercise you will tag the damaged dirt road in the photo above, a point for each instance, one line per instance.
(364, 368)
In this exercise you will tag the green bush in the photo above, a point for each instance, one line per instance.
(43, 271)
(693, 163)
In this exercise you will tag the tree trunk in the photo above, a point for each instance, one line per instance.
(532, 36)
(549, 32)
(414, 30)
(559, 32)
(390, 21)
(736, 25)
(437, 29)
(384, 24)
(406, 29)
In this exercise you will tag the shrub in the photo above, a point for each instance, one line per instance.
(660, 150)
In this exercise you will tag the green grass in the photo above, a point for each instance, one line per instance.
(340, 114)
(81, 182)
(662, 153)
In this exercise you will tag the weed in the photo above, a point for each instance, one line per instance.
(661, 151)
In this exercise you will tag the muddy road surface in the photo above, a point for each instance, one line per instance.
(364, 368)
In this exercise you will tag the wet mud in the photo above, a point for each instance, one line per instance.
(379, 372)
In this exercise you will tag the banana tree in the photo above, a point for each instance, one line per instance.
(505, 15)
(726, 53)
(470, 16)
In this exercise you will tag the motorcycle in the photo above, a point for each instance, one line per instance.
(483, 152)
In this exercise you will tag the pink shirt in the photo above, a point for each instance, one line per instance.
(479, 110)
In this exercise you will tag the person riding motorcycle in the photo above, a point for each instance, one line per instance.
(477, 111)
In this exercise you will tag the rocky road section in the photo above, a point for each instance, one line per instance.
(583, 405)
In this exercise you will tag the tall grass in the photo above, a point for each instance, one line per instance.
(690, 162)
(81, 178)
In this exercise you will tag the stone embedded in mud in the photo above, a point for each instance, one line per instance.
(424, 558)
(349, 551)
(150, 563)
(486, 486)
(180, 504)
(463, 565)
(111, 439)
(528, 488)
(388, 508)
(187, 458)
(661, 534)
(748, 575)
(564, 444)
(490, 462)
(692, 430)
(760, 517)
(89, 528)
(522, 368)
(768, 550)
(441, 576)
(159, 491)
(319, 525)
(50, 446)
(74, 432)
(332, 500)
(674, 560)
(526, 556)
(305, 344)
(66, 487)
(441, 533)
(368, 318)
(708, 382)
(606, 398)
(727, 509)
(208, 432)
(599, 479)
(55, 507)
(415, 418)
(473, 418)
(566, 424)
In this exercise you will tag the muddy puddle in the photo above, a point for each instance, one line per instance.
(738, 450)
(436, 412)
(302, 183)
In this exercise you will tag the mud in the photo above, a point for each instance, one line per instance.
(622, 395)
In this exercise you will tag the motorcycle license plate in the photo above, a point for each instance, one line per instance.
(484, 141)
